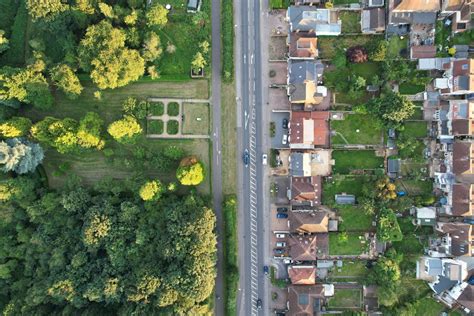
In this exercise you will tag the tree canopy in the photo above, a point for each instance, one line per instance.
(19, 155)
(151, 190)
(66, 80)
(125, 130)
(190, 171)
(391, 109)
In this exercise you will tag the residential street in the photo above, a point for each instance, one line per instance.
(216, 153)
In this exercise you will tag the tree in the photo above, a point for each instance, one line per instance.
(190, 171)
(90, 130)
(380, 51)
(391, 109)
(44, 9)
(60, 134)
(4, 42)
(66, 80)
(200, 18)
(157, 15)
(388, 228)
(199, 62)
(132, 107)
(151, 190)
(132, 18)
(15, 127)
(106, 10)
(125, 130)
(339, 60)
(357, 54)
(151, 47)
(20, 156)
(385, 189)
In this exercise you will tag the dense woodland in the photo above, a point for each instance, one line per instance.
(134, 247)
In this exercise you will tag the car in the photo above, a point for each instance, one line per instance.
(279, 251)
(264, 159)
(284, 123)
(259, 304)
(280, 236)
(284, 140)
(281, 244)
(469, 221)
(282, 209)
(246, 157)
(282, 215)
(265, 270)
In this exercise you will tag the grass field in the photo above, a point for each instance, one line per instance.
(408, 88)
(172, 127)
(366, 70)
(350, 21)
(396, 45)
(356, 129)
(172, 109)
(415, 129)
(346, 298)
(229, 139)
(418, 115)
(154, 127)
(354, 245)
(417, 187)
(354, 218)
(350, 270)
(156, 108)
(343, 184)
(327, 44)
(349, 160)
(192, 112)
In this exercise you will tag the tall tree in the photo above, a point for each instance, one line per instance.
(391, 109)
(156, 15)
(20, 156)
(125, 130)
(15, 127)
(66, 80)
(190, 171)
(44, 8)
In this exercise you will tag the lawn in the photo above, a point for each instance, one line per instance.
(279, 4)
(327, 44)
(350, 21)
(229, 139)
(196, 118)
(172, 127)
(408, 88)
(154, 127)
(356, 129)
(367, 70)
(172, 109)
(418, 129)
(354, 245)
(354, 218)
(156, 108)
(349, 270)
(349, 160)
(418, 115)
(428, 306)
(341, 2)
(346, 298)
(344, 184)
(417, 187)
(397, 46)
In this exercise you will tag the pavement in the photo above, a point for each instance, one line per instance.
(216, 154)
(252, 93)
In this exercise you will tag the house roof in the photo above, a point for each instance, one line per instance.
(463, 158)
(423, 51)
(309, 222)
(311, 19)
(344, 199)
(301, 71)
(462, 117)
(453, 5)
(416, 6)
(302, 248)
(305, 300)
(461, 237)
(466, 298)
(373, 19)
(393, 166)
(300, 164)
(462, 199)
(309, 128)
(306, 189)
(302, 275)
(303, 45)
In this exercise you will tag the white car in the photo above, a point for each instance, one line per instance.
(264, 159)
(280, 236)
(281, 244)
(285, 139)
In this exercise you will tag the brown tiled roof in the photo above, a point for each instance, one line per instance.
(309, 222)
(463, 67)
(306, 189)
(463, 127)
(377, 18)
(423, 51)
(462, 204)
(466, 298)
(461, 237)
(454, 5)
(463, 158)
(303, 45)
(417, 5)
(302, 248)
(322, 244)
(302, 275)
(301, 299)
(320, 127)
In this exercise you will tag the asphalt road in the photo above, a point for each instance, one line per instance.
(216, 153)
(253, 283)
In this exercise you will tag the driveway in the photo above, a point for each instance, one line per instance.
(278, 99)
(277, 140)
(281, 72)
(283, 185)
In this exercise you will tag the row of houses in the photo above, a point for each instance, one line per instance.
(448, 265)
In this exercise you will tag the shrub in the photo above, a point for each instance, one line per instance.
(151, 190)
(156, 108)
(133, 107)
(357, 54)
(173, 109)
(190, 171)
(172, 127)
(155, 127)
(15, 127)
(125, 130)
(174, 152)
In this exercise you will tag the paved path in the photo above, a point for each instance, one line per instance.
(177, 136)
(216, 153)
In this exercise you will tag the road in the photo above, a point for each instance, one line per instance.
(252, 207)
(216, 153)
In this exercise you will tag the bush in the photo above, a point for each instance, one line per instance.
(125, 130)
(190, 171)
(174, 152)
(155, 127)
(16, 54)
(173, 109)
(230, 246)
(151, 190)
(156, 108)
(357, 54)
(227, 40)
(133, 107)
(172, 127)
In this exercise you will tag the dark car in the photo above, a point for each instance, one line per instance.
(265, 270)
(259, 304)
(285, 123)
(469, 221)
(282, 209)
(282, 215)
(279, 251)
(246, 158)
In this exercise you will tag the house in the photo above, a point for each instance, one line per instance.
(425, 216)
(302, 82)
(461, 296)
(308, 222)
(193, 6)
(307, 2)
(345, 199)
(373, 20)
(307, 300)
(463, 158)
(455, 118)
(306, 191)
(422, 51)
(308, 130)
(458, 14)
(456, 240)
(302, 45)
(432, 63)
(460, 200)
(310, 163)
(393, 168)
(458, 78)
(311, 19)
(374, 3)
(302, 248)
(302, 274)
(442, 274)
(462, 51)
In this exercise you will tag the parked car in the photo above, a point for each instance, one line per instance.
(284, 140)
(282, 215)
(279, 251)
(282, 209)
(246, 157)
(259, 304)
(392, 133)
(280, 236)
(284, 123)
(265, 270)
(469, 221)
(281, 244)
(264, 159)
